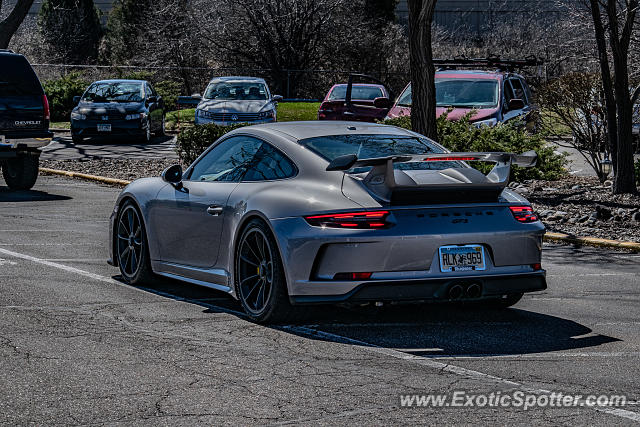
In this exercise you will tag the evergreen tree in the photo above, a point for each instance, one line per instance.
(71, 30)
(127, 26)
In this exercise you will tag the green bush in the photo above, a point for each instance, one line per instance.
(192, 141)
(462, 136)
(169, 90)
(60, 93)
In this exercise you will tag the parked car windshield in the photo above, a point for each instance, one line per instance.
(368, 93)
(371, 146)
(478, 93)
(470, 93)
(114, 92)
(236, 91)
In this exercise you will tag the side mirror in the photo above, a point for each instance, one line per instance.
(152, 98)
(196, 96)
(173, 175)
(76, 99)
(382, 102)
(516, 104)
(277, 98)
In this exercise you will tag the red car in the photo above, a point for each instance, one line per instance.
(367, 103)
(495, 96)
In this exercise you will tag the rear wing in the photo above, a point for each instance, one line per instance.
(387, 183)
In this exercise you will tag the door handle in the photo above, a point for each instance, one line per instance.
(349, 113)
(214, 210)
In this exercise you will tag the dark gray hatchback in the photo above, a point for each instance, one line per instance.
(24, 121)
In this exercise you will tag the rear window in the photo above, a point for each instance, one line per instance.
(17, 78)
(366, 93)
(371, 146)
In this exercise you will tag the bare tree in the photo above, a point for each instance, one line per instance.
(617, 16)
(575, 101)
(10, 24)
(423, 88)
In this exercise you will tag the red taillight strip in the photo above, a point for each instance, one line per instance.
(360, 220)
(523, 213)
(450, 158)
(45, 104)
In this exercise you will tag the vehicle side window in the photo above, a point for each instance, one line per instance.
(518, 90)
(228, 161)
(269, 164)
(508, 91)
(149, 90)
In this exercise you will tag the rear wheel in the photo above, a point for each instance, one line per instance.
(260, 281)
(21, 173)
(131, 246)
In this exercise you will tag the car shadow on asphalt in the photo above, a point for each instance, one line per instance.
(429, 330)
(7, 195)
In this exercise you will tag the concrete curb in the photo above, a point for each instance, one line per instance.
(549, 236)
(102, 179)
(592, 241)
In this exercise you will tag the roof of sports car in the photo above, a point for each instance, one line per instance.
(311, 129)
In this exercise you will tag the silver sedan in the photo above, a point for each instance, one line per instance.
(281, 215)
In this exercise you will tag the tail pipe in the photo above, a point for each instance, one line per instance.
(474, 290)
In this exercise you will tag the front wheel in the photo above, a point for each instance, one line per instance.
(260, 280)
(21, 172)
(146, 136)
(131, 246)
(161, 130)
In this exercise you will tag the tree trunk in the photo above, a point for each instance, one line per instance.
(607, 82)
(423, 89)
(10, 25)
(619, 39)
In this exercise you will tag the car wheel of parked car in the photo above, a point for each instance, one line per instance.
(21, 172)
(147, 134)
(77, 139)
(161, 131)
(259, 277)
(131, 246)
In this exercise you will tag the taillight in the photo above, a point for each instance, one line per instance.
(523, 213)
(45, 104)
(536, 266)
(360, 220)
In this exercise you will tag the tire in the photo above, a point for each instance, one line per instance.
(21, 173)
(504, 302)
(161, 131)
(263, 292)
(146, 138)
(77, 139)
(131, 246)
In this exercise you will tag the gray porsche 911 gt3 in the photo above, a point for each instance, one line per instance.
(286, 214)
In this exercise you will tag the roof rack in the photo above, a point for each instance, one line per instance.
(490, 62)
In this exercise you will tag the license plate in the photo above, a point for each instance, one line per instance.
(461, 258)
(104, 128)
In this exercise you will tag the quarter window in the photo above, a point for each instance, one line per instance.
(228, 161)
(518, 90)
(269, 164)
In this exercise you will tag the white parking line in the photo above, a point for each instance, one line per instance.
(303, 330)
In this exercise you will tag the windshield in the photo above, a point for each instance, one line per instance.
(366, 93)
(371, 146)
(114, 92)
(236, 91)
(465, 93)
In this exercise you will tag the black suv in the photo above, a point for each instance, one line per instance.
(24, 121)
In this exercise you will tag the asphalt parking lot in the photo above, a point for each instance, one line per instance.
(77, 346)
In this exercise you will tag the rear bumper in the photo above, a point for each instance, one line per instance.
(26, 141)
(433, 290)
